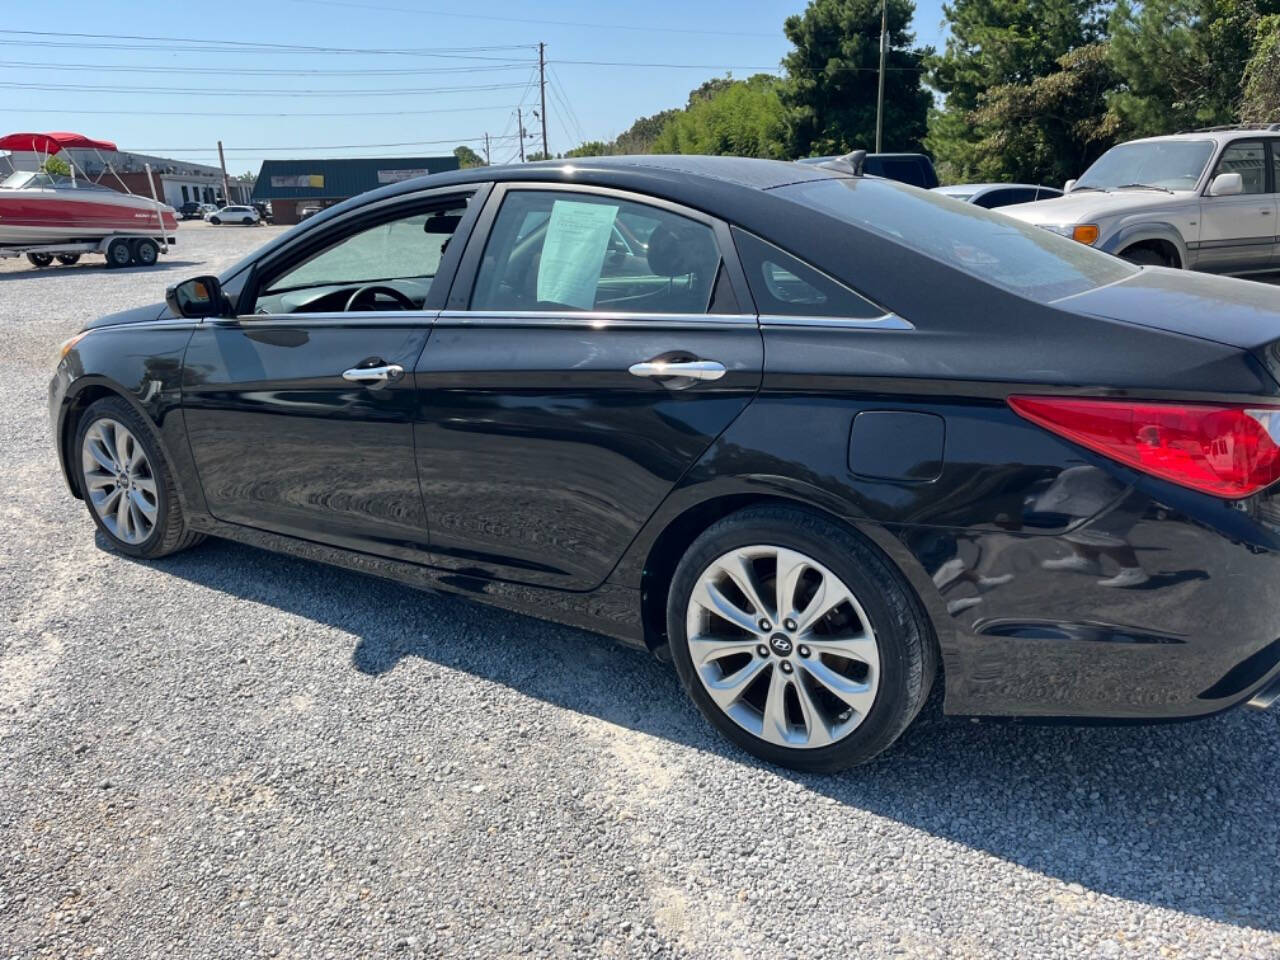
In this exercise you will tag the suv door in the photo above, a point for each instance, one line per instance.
(1237, 234)
(594, 345)
(299, 410)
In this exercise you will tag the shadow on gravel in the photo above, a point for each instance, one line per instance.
(91, 264)
(1182, 816)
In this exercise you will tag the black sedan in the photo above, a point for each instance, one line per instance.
(819, 439)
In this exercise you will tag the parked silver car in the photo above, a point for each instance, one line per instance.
(992, 195)
(1204, 200)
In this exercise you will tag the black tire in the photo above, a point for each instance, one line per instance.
(68, 259)
(40, 259)
(908, 656)
(170, 533)
(1145, 257)
(247, 221)
(215, 221)
(145, 252)
(119, 254)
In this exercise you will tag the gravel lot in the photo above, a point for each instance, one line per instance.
(233, 754)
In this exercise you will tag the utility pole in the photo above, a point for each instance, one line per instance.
(542, 86)
(486, 148)
(226, 184)
(884, 49)
(520, 132)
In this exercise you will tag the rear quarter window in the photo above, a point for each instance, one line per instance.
(1022, 258)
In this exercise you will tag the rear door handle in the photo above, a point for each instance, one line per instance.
(375, 378)
(693, 369)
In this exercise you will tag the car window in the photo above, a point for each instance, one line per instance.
(1248, 160)
(1275, 165)
(403, 252)
(1006, 197)
(556, 250)
(1022, 258)
(784, 285)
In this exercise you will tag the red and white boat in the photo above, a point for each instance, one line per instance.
(45, 215)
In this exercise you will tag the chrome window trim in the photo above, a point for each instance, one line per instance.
(408, 318)
(889, 321)
(596, 319)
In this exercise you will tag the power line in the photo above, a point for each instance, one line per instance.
(539, 22)
(261, 71)
(334, 146)
(290, 115)
(242, 92)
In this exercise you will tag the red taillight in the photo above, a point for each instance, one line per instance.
(1228, 451)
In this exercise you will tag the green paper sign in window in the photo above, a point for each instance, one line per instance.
(573, 253)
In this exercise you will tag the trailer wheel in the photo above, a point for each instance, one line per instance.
(145, 252)
(40, 259)
(119, 254)
(68, 259)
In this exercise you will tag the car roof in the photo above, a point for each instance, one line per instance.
(982, 187)
(1217, 136)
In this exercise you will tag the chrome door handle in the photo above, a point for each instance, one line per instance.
(374, 377)
(694, 369)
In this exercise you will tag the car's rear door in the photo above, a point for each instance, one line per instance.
(594, 345)
(299, 410)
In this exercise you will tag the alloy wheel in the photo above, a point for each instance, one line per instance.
(782, 646)
(119, 481)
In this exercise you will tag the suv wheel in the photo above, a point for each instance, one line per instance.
(1145, 257)
(797, 640)
(126, 482)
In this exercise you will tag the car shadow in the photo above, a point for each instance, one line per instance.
(1160, 799)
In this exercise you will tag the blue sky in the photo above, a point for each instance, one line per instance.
(466, 69)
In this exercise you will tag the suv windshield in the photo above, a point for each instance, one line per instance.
(1017, 256)
(1170, 164)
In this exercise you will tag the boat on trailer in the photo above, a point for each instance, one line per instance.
(46, 216)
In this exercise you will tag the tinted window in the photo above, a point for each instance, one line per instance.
(1005, 198)
(1172, 164)
(1275, 165)
(1248, 160)
(785, 286)
(1022, 258)
(555, 250)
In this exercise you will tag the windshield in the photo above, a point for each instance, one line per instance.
(1171, 164)
(1017, 256)
(26, 178)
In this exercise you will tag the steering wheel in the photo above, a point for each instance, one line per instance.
(370, 292)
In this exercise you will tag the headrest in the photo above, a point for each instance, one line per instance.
(679, 250)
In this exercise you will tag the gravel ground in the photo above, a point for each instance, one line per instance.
(234, 754)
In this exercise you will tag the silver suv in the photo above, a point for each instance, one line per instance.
(1204, 200)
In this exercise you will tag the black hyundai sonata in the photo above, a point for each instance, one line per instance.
(819, 439)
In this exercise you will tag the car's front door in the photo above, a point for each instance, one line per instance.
(594, 345)
(299, 410)
(1238, 233)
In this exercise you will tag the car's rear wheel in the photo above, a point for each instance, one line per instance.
(797, 640)
(247, 221)
(126, 482)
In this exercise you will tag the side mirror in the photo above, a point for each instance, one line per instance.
(195, 298)
(1226, 185)
(1066, 187)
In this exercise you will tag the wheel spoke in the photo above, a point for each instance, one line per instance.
(791, 567)
(708, 596)
(726, 691)
(109, 502)
(858, 695)
(148, 510)
(862, 648)
(775, 728)
(704, 649)
(122, 518)
(146, 484)
(96, 447)
(817, 733)
(830, 594)
(98, 481)
(738, 569)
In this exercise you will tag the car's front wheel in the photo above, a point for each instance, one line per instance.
(797, 640)
(215, 221)
(127, 484)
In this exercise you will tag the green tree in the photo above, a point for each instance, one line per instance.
(830, 92)
(55, 166)
(537, 155)
(467, 157)
(1260, 102)
(1005, 46)
(639, 137)
(741, 118)
(1050, 129)
(1180, 61)
(592, 148)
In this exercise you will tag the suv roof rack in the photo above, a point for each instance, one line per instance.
(1234, 126)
